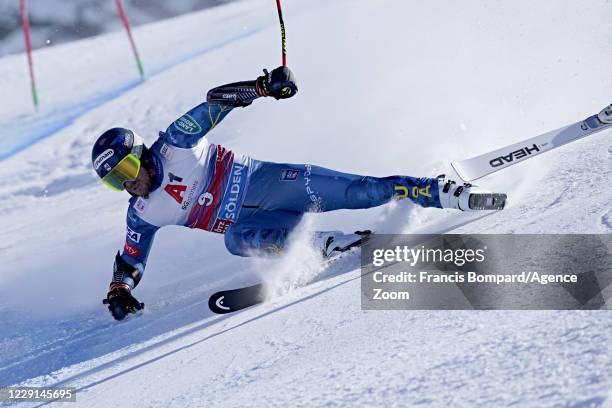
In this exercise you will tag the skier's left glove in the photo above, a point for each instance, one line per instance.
(280, 83)
(121, 302)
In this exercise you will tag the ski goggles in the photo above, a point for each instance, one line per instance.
(127, 169)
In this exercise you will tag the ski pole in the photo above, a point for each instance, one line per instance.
(282, 26)
(25, 24)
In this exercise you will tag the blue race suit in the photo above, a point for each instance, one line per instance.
(255, 204)
(279, 194)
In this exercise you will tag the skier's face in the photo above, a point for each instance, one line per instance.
(141, 186)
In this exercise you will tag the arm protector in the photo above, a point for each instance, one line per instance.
(236, 94)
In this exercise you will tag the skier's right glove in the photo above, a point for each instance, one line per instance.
(121, 302)
(280, 83)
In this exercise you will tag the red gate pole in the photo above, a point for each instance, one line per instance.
(126, 23)
(25, 24)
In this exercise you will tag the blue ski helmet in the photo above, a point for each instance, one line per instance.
(116, 157)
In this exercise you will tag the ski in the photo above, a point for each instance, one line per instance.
(491, 162)
(233, 300)
(228, 301)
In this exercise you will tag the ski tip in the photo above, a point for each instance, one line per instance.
(216, 304)
(229, 301)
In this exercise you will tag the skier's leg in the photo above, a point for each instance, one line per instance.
(260, 233)
(279, 194)
(304, 187)
(265, 233)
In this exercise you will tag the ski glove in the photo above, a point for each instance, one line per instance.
(280, 83)
(121, 302)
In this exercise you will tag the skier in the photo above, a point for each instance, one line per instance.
(182, 179)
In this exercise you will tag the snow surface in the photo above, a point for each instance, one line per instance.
(386, 87)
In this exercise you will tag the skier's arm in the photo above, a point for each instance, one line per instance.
(187, 130)
(130, 265)
(280, 84)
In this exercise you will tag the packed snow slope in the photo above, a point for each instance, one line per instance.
(386, 87)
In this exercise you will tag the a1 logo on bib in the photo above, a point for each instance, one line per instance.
(176, 191)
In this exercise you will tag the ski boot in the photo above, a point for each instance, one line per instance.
(467, 197)
(605, 116)
(332, 243)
